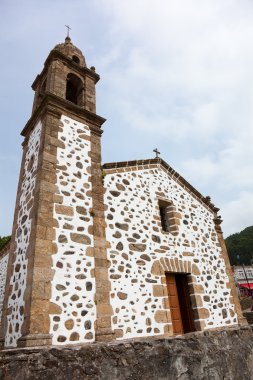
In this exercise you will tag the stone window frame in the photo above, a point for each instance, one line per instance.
(172, 216)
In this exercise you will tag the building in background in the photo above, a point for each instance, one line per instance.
(243, 276)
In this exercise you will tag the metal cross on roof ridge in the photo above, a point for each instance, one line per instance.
(156, 151)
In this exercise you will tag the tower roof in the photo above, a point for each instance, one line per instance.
(67, 48)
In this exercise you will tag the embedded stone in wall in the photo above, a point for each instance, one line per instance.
(80, 238)
(137, 247)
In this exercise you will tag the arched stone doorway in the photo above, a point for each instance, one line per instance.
(181, 292)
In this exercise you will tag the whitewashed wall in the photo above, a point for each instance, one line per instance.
(18, 279)
(137, 242)
(73, 285)
(3, 271)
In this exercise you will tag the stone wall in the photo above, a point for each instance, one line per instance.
(73, 285)
(3, 270)
(225, 354)
(141, 253)
(19, 258)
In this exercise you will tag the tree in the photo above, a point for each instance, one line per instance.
(241, 244)
(4, 240)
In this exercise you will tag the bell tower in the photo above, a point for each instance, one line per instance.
(67, 77)
(57, 287)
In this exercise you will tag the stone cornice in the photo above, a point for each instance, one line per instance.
(158, 162)
(55, 54)
(55, 105)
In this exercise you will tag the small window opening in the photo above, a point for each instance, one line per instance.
(163, 208)
(74, 89)
(170, 218)
(76, 59)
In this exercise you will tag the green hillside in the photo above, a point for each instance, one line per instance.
(4, 240)
(241, 244)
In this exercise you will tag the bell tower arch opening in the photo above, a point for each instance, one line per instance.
(74, 89)
(76, 59)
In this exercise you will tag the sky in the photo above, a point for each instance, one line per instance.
(176, 75)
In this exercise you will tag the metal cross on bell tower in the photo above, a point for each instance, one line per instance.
(156, 151)
(68, 27)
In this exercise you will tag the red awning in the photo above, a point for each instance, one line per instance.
(247, 286)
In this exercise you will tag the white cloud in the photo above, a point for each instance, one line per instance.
(183, 58)
(237, 214)
(229, 169)
(187, 77)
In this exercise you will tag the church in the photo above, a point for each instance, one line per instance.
(101, 253)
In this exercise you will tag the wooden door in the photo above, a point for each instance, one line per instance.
(185, 303)
(174, 304)
(180, 304)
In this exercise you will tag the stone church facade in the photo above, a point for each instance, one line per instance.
(104, 252)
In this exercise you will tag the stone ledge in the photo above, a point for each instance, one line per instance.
(222, 354)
